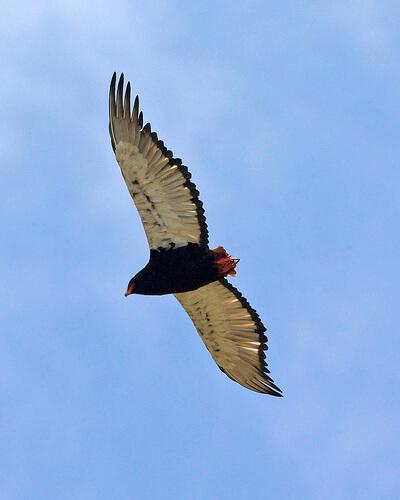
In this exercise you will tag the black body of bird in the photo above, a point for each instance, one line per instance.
(175, 271)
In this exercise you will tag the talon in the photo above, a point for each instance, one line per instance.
(225, 264)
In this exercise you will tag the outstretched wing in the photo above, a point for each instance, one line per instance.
(167, 201)
(233, 333)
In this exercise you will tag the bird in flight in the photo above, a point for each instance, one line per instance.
(181, 261)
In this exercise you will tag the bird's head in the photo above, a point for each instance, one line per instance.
(138, 284)
(131, 287)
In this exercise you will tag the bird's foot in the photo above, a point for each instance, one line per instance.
(225, 264)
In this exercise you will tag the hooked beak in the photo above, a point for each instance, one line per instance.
(131, 287)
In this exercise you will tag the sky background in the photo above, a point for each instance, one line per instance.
(287, 114)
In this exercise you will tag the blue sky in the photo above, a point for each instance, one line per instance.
(287, 115)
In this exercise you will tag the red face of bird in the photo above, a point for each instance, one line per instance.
(131, 288)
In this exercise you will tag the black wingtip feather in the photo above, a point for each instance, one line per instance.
(112, 109)
(120, 112)
(135, 110)
(127, 102)
(112, 92)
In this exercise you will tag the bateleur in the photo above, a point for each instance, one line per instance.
(181, 261)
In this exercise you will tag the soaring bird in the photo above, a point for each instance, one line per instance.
(181, 261)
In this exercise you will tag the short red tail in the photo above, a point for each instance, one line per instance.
(225, 264)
